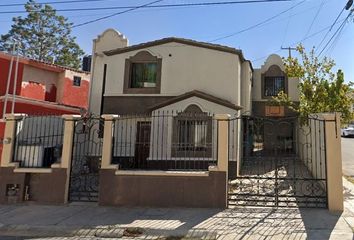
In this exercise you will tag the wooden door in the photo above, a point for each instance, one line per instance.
(142, 144)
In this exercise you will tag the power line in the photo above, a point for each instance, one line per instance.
(330, 29)
(315, 17)
(298, 42)
(154, 6)
(336, 32)
(287, 26)
(256, 25)
(52, 2)
(335, 41)
(115, 14)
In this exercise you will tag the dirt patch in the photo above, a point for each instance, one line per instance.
(350, 179)
(133, 232)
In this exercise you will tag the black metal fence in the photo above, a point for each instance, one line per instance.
(282, 163)
(165, 141)
(38, 141)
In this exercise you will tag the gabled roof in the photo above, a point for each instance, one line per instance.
(199, 94)
(190, 42)
(41, 64)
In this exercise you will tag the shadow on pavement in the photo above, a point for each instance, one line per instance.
(237, 223)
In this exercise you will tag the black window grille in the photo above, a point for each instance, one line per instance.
(77, 81)
(273, 86)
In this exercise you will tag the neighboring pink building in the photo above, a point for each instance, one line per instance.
(45, 82)
(42, 88)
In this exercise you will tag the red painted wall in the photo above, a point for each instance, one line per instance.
(51, 96)
(76, 96)
(4, 71)
(33, 90)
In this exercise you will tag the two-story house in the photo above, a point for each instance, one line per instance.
(180, 77)
(170, 75)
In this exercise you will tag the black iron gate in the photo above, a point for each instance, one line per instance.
(86, 159)
(282, 163)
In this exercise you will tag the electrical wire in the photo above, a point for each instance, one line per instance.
(335, 41)
(286, 27)
(330, 29)
(115, 14)
(152, 6)
(314, 19)
(256, 25)
(51, 2)
(303, 39)
(336, 32)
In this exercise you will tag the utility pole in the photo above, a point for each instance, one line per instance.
(289, 49)
(8, 81)
(15, 80)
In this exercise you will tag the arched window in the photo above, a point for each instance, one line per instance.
(192, 133)
(142, 73)
(273, 82)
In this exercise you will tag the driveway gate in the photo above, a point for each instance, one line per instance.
(86, 159)
(282, 163)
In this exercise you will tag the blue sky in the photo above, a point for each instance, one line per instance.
(209, 23)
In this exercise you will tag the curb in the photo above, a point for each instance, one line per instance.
(104, 232)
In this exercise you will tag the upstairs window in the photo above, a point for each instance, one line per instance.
(143, 75)
(77, 81)
(273, 86)
(274, 81)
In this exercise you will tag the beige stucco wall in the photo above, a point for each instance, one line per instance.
(184, 68)
(189, 68)
(246, 88)
(257, 85)
(108, 40)
(273, 59)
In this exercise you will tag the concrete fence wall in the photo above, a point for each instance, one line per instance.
(117, 187)
(162, 188)
(40, 185)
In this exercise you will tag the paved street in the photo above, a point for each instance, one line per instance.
(348, 156)
(92, 222)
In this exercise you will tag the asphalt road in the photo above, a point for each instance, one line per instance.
(348, 156)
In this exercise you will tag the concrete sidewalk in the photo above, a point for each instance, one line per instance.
(92, 222)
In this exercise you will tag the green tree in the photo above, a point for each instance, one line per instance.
(43, 35)
(321, 90)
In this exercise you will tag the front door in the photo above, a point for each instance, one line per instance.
(142, 144)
